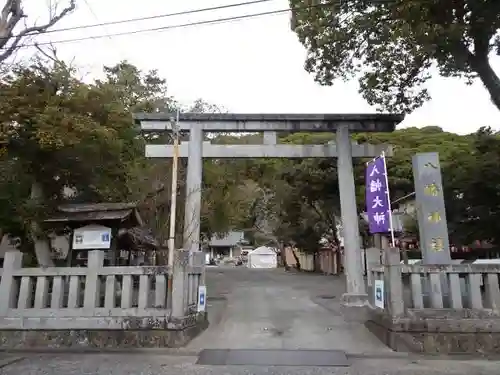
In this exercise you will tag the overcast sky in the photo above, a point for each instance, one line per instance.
(252, 65)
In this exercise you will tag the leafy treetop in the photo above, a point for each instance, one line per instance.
(393, 45)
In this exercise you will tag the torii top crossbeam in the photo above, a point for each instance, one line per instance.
(245, 122)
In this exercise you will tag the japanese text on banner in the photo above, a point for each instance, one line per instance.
(377, 197)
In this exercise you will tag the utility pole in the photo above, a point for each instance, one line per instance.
(173, 205)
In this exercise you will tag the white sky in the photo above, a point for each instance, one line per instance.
(253, 65)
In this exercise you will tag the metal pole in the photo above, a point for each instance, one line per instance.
(173, 204)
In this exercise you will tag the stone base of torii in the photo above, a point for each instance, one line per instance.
(343, 149)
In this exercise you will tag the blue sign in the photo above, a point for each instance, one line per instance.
(105, 237)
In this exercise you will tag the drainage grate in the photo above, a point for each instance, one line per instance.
(272, 357)
(217, 298)
(327, 297)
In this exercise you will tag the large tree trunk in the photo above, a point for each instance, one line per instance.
(41, 244)
(489, 78)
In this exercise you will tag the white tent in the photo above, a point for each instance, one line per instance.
(262, 257)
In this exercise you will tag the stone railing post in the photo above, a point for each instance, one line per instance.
(92, 290)
(372, 256)
(393, 282)
(179, 284)
(13, 261)
(199, 261)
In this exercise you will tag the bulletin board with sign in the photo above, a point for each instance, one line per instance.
(92, 237)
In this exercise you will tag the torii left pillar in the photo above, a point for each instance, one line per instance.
(193, 190)
(355, 289)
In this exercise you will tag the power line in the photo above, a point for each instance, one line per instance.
(165, 15)
(95, 17)
(180, 26)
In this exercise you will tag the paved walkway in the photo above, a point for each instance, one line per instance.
(274, 309)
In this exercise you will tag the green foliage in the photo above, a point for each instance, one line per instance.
(311, 206)
(61, 131)
(391, 46)
(473, 190)
(305, 201)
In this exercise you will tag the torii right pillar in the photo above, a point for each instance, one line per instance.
(355, 295)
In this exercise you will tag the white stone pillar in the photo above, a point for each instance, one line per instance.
(193, 190)
(356, 291)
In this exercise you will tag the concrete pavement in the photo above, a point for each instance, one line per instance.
(274, 309)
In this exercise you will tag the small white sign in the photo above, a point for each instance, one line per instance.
(202, 298)
(379, 293)
(92, 237)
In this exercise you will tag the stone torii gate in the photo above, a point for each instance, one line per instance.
(343, 149)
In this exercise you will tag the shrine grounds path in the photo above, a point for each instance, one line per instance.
(258, 309)
(274, 309)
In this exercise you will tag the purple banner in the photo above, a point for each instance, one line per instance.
(377, 197)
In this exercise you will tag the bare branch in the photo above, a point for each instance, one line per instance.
(11, 14)
(51, 56)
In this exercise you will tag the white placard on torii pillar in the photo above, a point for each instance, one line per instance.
(378, 290)
(202, 298)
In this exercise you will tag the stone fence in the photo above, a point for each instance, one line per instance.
(97, 300)
(436, 287)
(436, 308)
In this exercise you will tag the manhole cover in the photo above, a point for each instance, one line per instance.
(272, 357)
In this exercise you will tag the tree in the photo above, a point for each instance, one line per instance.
(298, 200)
(473, 190)
(58, 132)
(311, 207)
(225, 195)
(12, 36)
(393, 45)
(136, 90)
(305, 205)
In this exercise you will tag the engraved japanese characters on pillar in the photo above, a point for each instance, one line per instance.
(431, 212)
